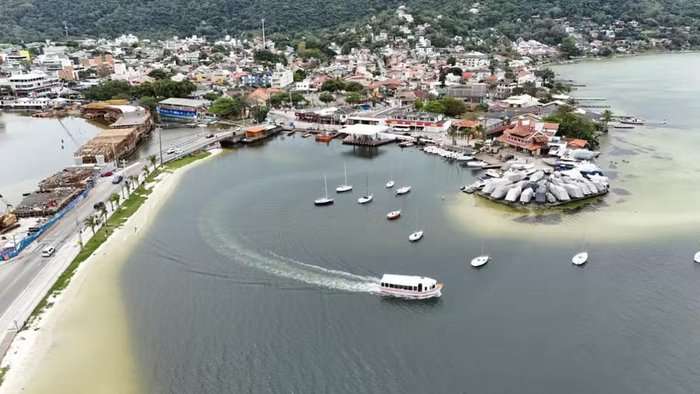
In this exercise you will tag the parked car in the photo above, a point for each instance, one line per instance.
(210, 135)
(117, 179)
(108, 173)
(48, 251)
(171, 151)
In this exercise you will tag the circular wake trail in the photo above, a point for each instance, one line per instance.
(286, 267)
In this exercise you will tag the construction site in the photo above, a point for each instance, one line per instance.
(128, 125)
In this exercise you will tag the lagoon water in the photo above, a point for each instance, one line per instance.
(242, 285)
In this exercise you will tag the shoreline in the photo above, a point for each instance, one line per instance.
(52, 354)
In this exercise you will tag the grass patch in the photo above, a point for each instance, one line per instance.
(3, 372)
(118, 218)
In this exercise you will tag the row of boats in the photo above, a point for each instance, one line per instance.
(524, 185)
(469, 161)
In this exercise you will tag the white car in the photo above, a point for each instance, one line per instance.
(171, 151)
(48, 251)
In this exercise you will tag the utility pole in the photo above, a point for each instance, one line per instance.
(80, 233)
(160, 144)
(263, 34)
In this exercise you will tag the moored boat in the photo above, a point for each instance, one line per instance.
(697, 257)
(324, 200)
(403, 190)
(580, 258)
(410, 287)
(393, 215)
(416, 236)
(479, 261)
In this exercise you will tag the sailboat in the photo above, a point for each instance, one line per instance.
(366, 198)
(480, 261)
(344, 187)
(403, 190)
(696, 258)
(580, 258)
(416, 235)
(324, 200)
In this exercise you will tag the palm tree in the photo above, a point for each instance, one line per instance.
(452, 132)
(153, 160)
(131, 181)
(90, 222)
(114, 200)
(479, 129)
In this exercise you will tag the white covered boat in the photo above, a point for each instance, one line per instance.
(390, 184)
(365, 199)
(416, 236)
(479, 261)
(393, 215)
(403, 190)
(580, 258)
(410, 287)
(696, 258)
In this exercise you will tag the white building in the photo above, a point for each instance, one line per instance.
(282, 78)
(32, 84)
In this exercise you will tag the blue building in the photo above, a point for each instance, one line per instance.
(179, 109)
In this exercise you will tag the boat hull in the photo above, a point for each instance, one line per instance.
(323, 202)
(412, 295)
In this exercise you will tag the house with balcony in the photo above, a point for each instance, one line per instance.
(529, 134)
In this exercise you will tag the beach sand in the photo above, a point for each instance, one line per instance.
(81, 344)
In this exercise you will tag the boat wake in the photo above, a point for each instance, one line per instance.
(286, 267)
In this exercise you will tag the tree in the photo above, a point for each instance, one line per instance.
(547, 76)
(353, 87)
(153, 159)
(605, 118)
(107, 89)
(259, 113)
(418, 104)
(326, 97)
(568, 48)
(354, 98)
(451, 61)
(159, 73)
(333, 85)
(114, 200)
(573, 125)
(299, 75)
(90, 221)
(227, 107)
(265, 56)
(212, 96)
(453, 107)
(149, 102)
(434, 106)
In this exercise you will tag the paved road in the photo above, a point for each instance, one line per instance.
(25, 279)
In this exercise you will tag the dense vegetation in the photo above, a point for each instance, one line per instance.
(537, 19)
(162, 88)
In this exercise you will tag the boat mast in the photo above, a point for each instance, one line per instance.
(345, 169)
(325, 187)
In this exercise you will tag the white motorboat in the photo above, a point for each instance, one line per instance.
(403, 190)
(477, 164)
(580, 258)
(416, 236)
(697, 257)
(324, 200)
(409, 287)
(492, 173)
(465, 158)
(393, 215)
(479, 261)
(344, 187)
(390, 184)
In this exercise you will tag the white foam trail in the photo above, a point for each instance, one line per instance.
(287, 267)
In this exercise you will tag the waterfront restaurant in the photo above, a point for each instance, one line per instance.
(528, 134)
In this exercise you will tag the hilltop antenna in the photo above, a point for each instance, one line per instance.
(263, 34)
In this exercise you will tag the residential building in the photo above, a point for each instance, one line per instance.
(180, 109)
(32, 84)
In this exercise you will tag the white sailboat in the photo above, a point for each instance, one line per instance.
(480, 261)
(580, 258)
(344, 187)
(390, 183)
(697, 257)
(324, 200)
(367, 197)
(416, 236)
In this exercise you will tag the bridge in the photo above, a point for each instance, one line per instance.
(186, 146)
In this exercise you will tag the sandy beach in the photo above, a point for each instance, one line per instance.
(81, 344)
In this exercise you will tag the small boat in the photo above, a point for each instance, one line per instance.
(393, 215)
(403, 190)
(406, 144)
(465, 158)
(580, 258)
(324, 200)
(367, 198)
(479, 261)
(291, 133)
(492, 173)
(324, 137)
(416, 236)
(409, 287)
(632, 121)
(390, 184)
(306, 135)
(697, 257)
(477, 164)
(344, 187)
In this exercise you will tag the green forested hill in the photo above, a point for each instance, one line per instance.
(39, 19)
